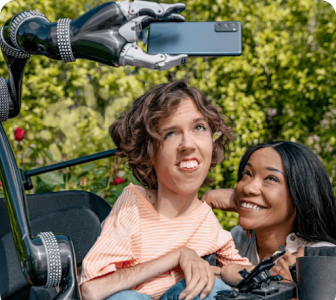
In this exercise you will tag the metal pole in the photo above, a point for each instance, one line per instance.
(31, 252)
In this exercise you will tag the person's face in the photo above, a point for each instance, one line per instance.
(185, 156)
(262, 194)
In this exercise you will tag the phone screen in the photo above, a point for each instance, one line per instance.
(196, 38)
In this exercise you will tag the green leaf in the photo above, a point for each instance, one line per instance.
(96, 186)
(88, 167)
(48, 154)
(52, 178)
(43, 187)
(45, 134)
(99, 172)
(55, 152)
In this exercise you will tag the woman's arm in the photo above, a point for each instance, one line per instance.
(230, 273)
(223, 199)
(198, 273)
(124, 279)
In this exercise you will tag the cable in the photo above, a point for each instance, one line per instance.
(296, 286)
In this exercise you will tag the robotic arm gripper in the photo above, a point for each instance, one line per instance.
(107, 34)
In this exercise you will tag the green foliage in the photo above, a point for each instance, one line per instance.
(282, 88)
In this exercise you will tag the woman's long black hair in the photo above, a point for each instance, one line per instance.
(309, 187)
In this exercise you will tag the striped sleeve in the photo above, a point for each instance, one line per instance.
(119, 244)
(229, 255)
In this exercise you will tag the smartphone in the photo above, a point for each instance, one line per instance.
(196, 38)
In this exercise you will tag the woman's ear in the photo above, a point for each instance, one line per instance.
(216, 135)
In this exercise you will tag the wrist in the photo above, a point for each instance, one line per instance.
(177, 253)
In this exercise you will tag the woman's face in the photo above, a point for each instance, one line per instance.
(262, 194)
(185, 156)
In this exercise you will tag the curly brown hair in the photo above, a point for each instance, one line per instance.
(136, 132)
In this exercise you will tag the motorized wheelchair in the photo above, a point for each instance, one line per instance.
(35, 257)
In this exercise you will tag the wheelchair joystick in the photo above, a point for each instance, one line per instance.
(260, 284)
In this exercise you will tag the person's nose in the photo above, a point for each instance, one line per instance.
(252, 187)
(187, 143)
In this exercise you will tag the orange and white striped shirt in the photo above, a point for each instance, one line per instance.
(135, 233)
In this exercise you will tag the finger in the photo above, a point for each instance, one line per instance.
(289, 258)
(282, 263)
(187, 274)
(208, 288)
(300, 252)
(190, 286)
(286, 255)
(155, 10)
(216, 270)
(145, 21)
(175, 18)
(276, 271)
(285, 273)
(131, 30)
(201, 284)
(133, 55)
(235, 203)
(204, 196)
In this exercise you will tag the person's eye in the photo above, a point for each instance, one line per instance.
(247, 172)
(272, 178)
(200, 128)
(169, 134)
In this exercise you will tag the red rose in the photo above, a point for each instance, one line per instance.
(19, 134)
(118, 180)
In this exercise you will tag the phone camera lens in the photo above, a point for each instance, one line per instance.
(218, 24)
(226, 25)
(234, 25)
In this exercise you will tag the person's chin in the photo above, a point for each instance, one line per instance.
(186, 188)
(248, 223)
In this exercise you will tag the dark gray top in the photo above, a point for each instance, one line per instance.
(246, 246)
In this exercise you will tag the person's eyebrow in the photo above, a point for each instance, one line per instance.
(274, 170)
(168, 128)
(268, 168)
(199, 120)
(174, 127)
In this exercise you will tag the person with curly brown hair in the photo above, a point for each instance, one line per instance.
(157, 233)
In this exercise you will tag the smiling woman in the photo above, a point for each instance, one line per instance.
(284, 198)
(157, 233)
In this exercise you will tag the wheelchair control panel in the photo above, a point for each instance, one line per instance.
(260, 284)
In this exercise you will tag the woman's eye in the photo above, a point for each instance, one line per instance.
(246, 172)
(169, 134)
(199, 127)
(272, 178)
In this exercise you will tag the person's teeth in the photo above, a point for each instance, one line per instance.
(251, 206)
(190, 164)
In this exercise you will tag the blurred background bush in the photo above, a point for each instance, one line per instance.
(283, 87)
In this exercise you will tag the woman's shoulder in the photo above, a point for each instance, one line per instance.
(129, 196)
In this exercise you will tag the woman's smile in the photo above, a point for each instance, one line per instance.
(251, 206)
(188, 165)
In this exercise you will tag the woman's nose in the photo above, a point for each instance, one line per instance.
(187, 143)
(253, 187)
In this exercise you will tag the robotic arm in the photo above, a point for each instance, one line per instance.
(107, 34)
